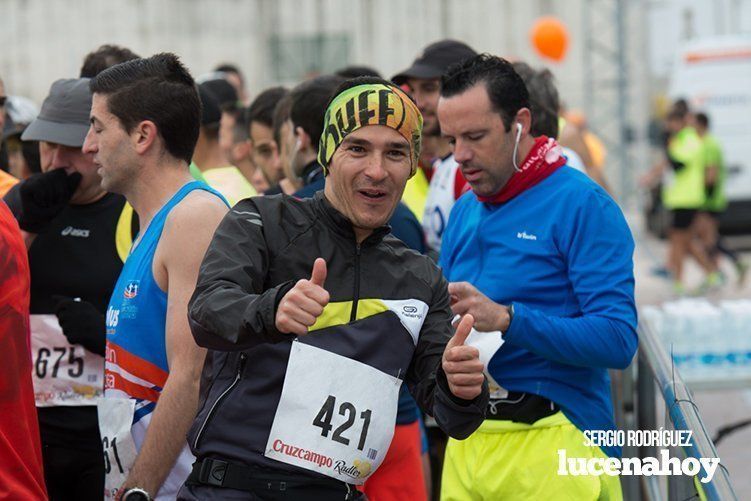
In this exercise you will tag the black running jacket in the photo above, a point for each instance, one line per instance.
(260, 250)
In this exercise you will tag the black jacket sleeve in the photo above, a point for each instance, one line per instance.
(426, 380)
(231, 309)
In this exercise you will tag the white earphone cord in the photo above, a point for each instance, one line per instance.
(516, 146)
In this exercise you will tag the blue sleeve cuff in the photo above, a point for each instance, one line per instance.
(516, 326)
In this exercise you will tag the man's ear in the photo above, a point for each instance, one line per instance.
(523, 117)
(302, 138)
(241, 150)
(144, 135)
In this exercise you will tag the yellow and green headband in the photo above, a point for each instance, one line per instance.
(370, 104)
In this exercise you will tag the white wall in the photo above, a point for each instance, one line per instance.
(42, 40)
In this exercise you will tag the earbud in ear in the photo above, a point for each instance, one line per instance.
(519, 129)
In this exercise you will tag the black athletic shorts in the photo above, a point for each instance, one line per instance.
(714, 214)
(682, 218)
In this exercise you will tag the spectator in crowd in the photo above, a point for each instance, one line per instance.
(210, 157)
(423, 79)
(102, 58)
(264, 149)
(305, 123)
(573, 138)
(23, 156)
(545, 106)
(72, 231)
(684, 194)
(6, 180)
(223, 91)
(707, 221)
(284, 137)
(355, 71)
(234, 138)
(234, 76)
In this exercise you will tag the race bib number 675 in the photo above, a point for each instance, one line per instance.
(63, 374)
(336, 416)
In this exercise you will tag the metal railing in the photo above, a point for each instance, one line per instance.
(636, 409)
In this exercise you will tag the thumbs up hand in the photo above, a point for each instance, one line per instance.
(462, 364)
(304, 303)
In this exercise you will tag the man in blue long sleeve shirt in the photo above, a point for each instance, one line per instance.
(543, 254)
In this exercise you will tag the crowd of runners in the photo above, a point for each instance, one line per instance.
(690, 179)
(399, 288)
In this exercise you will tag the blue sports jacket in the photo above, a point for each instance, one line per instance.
(561, 252)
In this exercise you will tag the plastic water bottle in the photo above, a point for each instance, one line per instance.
(737, 314)
(679, 335)
(713, 341)
(707, 341)
(699, 347)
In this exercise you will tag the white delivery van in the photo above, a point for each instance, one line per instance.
(714, 75)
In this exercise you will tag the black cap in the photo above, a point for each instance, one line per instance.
(435, 60)
(211, 114)
(223, 91)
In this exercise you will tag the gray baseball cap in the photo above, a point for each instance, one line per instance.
(64, 118)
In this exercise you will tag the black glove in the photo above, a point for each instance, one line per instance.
(82, 323)
(44, 196)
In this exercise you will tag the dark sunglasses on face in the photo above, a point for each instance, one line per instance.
(2, 100)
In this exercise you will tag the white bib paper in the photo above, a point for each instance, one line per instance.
(336, 416)
(63, 373)
(115, 421)
(488, 343)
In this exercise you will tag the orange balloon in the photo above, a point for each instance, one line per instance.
(550, 38)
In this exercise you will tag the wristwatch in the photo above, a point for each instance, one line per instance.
(510, 315)
(135, 494)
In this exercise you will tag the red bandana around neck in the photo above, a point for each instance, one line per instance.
(545, 157)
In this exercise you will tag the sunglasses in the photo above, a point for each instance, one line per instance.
(2, 100)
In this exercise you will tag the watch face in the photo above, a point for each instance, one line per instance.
(135, 495)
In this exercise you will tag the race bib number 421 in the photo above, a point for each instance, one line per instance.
(336, 416)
